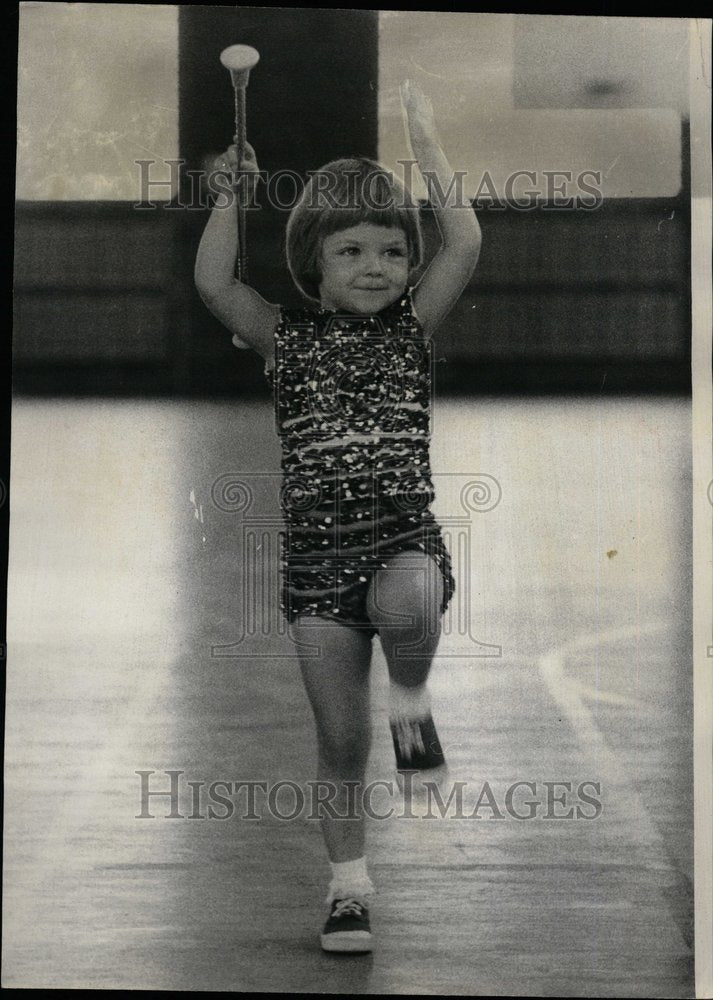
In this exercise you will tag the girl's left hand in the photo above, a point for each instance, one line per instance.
(421, 120)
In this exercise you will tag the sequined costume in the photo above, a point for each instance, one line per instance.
(352, 407)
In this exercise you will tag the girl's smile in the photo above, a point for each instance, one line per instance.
(364, 268)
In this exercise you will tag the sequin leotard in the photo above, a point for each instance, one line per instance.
(352, 406)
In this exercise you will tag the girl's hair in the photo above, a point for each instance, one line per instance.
(342, 194)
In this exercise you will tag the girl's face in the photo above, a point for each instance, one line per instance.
(364, 268)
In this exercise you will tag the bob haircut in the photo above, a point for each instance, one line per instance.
(342, 194)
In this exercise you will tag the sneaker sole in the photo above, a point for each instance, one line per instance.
(430, 758)
(347, 941)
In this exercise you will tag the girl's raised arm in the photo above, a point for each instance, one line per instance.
(240, 308)
(450, 270)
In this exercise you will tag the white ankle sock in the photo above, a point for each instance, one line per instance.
(408, 702)
(349, 878)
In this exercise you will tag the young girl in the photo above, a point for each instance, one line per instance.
(363, 554)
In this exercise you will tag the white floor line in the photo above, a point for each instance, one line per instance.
(556, 661)
(568, 695)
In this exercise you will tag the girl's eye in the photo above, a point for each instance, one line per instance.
(395, 251)
(349, 251)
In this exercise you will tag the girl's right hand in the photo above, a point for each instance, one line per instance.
(229, 160)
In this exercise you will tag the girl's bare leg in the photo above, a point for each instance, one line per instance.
(337, 684)
(405, 600)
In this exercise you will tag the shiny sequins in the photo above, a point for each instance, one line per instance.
(352, 407)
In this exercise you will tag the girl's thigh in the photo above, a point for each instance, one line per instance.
(335, 661)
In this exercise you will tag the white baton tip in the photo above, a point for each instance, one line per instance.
(239, 57)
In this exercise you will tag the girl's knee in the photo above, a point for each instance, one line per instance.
(407, 598)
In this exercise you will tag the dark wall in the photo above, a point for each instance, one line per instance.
(581, 301)
(98, 303)
(561, 300)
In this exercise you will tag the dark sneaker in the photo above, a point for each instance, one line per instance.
(417, 745)
(347, 928)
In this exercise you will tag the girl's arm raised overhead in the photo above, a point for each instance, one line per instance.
(240, 308)
(450, 270)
